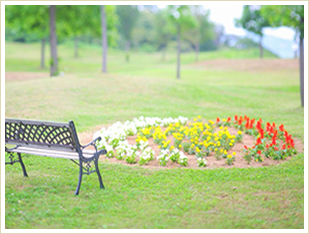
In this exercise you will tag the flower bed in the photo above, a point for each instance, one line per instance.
(178, 139)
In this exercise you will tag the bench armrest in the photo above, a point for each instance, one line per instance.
(103, 151)
(92, 143)
(8, 149)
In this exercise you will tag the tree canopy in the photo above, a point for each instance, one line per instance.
(285, 15)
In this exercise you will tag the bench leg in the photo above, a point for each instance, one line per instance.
(98, 172)
(79, 179)
(22, 165)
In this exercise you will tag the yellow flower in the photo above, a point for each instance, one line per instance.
(180, 146)
(172, 147)
(225, 152)
(216, 149)
(197, 149)
(229, 156)
(231, 144)
(221, 151)
(194, 119)
(199, 117)
(239, 132)
(234, 153)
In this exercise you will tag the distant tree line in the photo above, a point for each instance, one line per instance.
(145, 27)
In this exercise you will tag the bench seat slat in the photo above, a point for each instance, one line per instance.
(52, 153)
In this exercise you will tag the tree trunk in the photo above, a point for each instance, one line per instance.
(261, 46)
(127, 50)
(163, 55)
(53, 41)
(301, 69)
(104, 40)
(197, 51)
(76, 47)
(178, 52)
(43, 53)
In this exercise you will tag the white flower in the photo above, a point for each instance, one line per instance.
(108, 148)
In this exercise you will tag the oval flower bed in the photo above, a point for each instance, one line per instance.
(169, 142)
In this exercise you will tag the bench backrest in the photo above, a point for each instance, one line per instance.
(59, 136)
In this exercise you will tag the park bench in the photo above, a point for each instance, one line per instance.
(50, 139)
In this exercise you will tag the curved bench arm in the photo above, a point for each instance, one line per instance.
(8, 149)
(92, 143)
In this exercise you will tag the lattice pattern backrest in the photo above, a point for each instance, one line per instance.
(41, 134)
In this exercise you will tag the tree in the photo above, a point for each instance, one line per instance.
(104, 39)
(72, 21)
(163, 29)
(53, 41)
(95, 21)
(203, 31)
(252, 21)
(29, 19)
(181, 17)
(290, 16)
(143, 33)
(127, 18)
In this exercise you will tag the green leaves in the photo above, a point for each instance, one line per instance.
(252, 20)
(285, 15)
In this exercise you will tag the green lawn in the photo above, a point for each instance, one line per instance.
(136, 197)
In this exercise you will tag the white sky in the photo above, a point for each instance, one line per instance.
(225, 12)
(225, 15)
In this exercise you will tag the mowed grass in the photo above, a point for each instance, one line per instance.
(136, 197)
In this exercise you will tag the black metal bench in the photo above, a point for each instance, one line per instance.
(50, 139)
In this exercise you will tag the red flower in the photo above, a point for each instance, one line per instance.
(235, 117)
(228, 119)
(218, 120)
(245, 147)
(259, 152)
(262, 133)
(276, 148)
(292, 143)
(281, 128)
(258, 141)
(274, 125)
(267, 146)
(247, 124)
(251, 123)
(274, 141)
(283, 146)
(257, 126)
